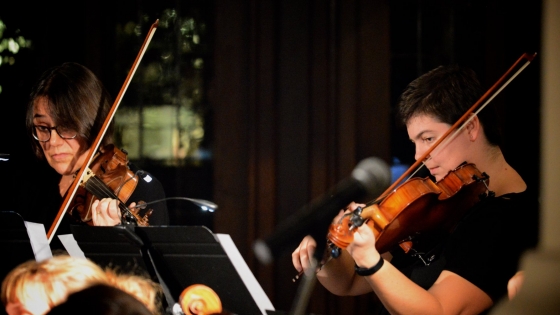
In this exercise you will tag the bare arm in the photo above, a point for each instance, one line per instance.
(450, 294)
(336, 275)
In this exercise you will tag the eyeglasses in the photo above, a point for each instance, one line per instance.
(43, 133)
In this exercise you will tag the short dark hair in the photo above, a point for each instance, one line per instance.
(76, 99)
(446, 93)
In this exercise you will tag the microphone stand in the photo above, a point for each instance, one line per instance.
(304, 290)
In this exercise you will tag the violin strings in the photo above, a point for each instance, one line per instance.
(100, 190)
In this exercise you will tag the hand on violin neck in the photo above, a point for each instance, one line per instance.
(106, 212)
(362, 248)
(353, 205)
(353, 210)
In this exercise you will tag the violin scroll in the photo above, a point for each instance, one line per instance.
(199, 299)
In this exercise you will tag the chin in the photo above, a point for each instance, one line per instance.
(62, 170)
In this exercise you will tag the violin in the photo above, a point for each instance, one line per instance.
(417, 206)
(420, 205)
(108, 177)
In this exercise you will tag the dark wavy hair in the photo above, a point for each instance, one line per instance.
(76, 99)
(446, 93)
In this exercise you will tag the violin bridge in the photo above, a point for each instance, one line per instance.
(87, 175)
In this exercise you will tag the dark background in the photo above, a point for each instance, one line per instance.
(297, 93)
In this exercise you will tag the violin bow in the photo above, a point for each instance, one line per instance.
(488, 96)
(95, 145)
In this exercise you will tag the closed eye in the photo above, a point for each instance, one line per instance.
(428, 139)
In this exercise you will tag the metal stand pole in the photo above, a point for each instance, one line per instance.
(304, 290)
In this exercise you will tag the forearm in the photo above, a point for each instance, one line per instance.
(400, 295)
(338, 276)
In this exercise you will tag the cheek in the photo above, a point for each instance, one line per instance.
(44, 145)
(78, 146)
(453, 155)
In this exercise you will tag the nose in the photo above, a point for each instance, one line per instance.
(418, 152)
(55, 138)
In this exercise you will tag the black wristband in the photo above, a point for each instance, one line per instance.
(369, 271)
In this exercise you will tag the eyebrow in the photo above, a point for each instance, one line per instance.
(420, 134)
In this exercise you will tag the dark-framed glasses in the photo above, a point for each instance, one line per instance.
(43, 133)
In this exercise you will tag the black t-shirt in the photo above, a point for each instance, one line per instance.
(484, 248)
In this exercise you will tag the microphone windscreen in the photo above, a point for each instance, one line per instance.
(374, 174)
(370, 177)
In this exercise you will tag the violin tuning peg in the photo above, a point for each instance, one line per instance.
(149, 213)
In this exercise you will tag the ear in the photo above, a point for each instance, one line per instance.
(473, 127)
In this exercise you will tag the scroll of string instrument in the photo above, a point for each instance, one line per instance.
(199, 299)
(419, 205)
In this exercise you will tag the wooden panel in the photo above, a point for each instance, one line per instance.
(229, 99)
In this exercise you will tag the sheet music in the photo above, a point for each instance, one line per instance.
(71, 246)
(39, 241)
(257, 292)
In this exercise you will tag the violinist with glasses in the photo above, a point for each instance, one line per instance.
(462, 270)
(65, 113)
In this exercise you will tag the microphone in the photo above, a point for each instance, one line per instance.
(370, 177)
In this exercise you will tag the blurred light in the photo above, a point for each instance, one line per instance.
(198, 63)
(13, 46)
(129, 28)
(23, 42)
(137, 30)
(3, 45)
(2, 28)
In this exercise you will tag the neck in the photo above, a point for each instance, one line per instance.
(503, 178)
(65, 183)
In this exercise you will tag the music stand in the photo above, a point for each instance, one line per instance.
(179, 256)
(111, 246)
(14, 242)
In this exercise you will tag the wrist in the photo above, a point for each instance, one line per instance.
(369, 271)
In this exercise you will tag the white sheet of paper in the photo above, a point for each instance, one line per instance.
(39, 241)
(71, 246)
(254, 287)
